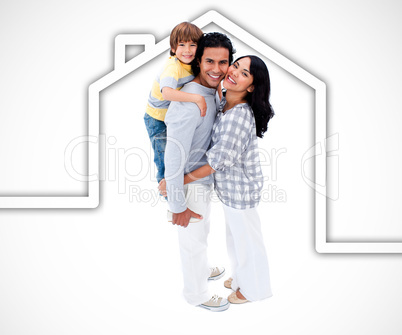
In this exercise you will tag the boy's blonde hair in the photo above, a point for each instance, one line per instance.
(184, 32)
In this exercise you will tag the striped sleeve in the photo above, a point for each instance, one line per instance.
(169, 77)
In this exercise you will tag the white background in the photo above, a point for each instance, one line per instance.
(116, 269)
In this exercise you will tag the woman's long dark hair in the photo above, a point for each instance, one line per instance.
(259, 97)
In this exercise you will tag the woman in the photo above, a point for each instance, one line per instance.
(233, 158)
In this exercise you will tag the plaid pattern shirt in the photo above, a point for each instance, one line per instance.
(235, 158)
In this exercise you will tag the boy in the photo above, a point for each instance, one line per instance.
(166, 87)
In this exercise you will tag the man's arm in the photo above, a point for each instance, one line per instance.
(181, 121)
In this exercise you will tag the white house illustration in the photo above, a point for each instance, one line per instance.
(319, 153)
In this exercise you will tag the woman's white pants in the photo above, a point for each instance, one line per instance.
(246, 250)
(193, 245)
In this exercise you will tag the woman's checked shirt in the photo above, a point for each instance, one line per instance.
(235, 158)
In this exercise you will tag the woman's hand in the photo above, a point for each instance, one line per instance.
(162, 187)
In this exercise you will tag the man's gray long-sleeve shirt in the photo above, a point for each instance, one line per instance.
(188, 139)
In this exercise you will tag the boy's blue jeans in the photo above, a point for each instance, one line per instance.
(157, 134)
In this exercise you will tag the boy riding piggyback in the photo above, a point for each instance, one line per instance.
(166, 88)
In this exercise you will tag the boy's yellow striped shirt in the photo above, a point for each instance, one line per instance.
(174, 74)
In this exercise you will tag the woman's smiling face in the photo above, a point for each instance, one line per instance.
(239, 78)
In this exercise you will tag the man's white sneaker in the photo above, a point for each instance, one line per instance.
(216, 273)
(216, 304)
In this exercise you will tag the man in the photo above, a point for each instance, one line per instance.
(188, 138)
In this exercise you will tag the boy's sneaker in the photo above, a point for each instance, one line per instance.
(216, 304)
(216, 273)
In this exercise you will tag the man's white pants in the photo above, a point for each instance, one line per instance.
(247, 253)
(193, 245)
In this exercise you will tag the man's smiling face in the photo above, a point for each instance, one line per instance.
(213, 66)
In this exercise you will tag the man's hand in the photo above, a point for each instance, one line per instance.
(183, 218)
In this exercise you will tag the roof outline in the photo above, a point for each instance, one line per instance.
(152, 50)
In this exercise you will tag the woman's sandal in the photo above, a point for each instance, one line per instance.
(234, 299)
(228, 283)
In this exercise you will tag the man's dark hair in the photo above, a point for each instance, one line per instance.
(211, 40)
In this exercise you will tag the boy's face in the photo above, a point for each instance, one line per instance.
(185, 51)
(213, 66)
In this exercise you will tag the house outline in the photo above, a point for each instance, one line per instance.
(152, 50)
